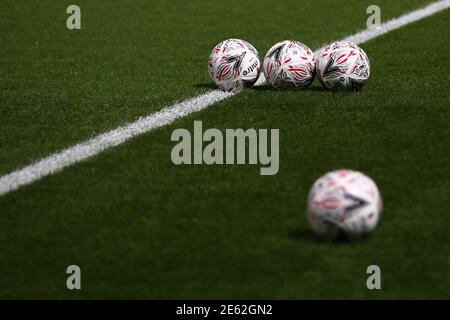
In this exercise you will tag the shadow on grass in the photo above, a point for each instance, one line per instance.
(267, 87)
(307, 235)
(264, 87)
(205, 85)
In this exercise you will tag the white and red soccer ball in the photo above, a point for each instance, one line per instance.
(289, 64)
(233, 65)
(343, 66)
(344, 201)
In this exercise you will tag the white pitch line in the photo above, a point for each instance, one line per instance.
(399, 22)
(82, 151)
(79, 152)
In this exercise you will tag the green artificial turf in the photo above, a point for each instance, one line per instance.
(132, 57)
(141, 227)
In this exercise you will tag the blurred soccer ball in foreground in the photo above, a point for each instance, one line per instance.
(343, 66)
(344, 201)
(289, 64)
(234, 64)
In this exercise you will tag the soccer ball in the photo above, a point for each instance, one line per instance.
(289, 64)
(233, 65)
(343, 66)
(344, 202)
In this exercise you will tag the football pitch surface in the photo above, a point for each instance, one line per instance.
(141, 227)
